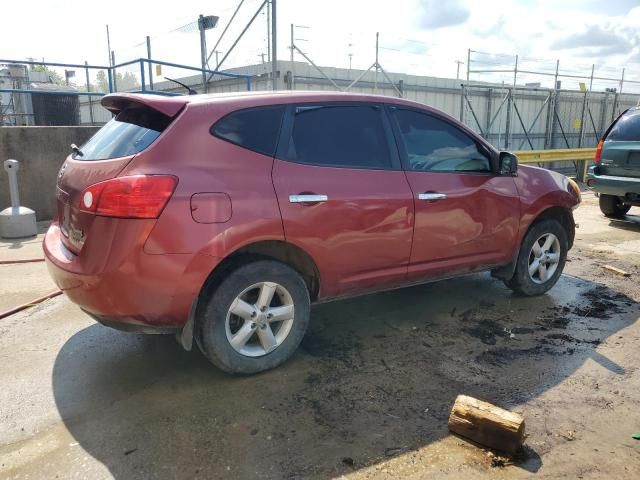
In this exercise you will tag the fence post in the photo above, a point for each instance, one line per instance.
(604, 102)
(142, 81)
(86, 72)
(468, 63)
(462, 88)
(507, 128)
(489, 106)
(149, 63)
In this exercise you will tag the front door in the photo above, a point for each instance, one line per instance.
(467, 217)
(343, 196)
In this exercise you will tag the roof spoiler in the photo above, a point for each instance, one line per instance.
(169, 106)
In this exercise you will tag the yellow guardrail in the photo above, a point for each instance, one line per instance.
(557, 155)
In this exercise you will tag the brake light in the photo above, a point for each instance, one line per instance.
(140, 196)
(598, 152)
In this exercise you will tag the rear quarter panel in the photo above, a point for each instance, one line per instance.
(206, 164)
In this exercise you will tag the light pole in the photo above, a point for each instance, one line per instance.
(204, 24)
(274, 47)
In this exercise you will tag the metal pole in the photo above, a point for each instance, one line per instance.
(555, 78)
(109, 48)
(507, 132)
(468, 62)
(293, 75)
(274, 46)
(143, 86)
(375, 78)
(203, 52)
(150, 66)
(86, 72)
(488, 119)
(268, 35)
(114, 76)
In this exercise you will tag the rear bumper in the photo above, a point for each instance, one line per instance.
(121, 286)
(610, 185)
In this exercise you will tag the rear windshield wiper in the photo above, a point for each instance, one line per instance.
(189, 89)
(76, 150)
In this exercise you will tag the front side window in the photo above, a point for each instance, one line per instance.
(350, 136)
(256, 129)
(131, 131)
(433, 145)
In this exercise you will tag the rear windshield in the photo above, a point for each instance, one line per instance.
(130, 132)
(627, 128)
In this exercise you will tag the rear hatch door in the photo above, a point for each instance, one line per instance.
(621, 149)
(139, 120)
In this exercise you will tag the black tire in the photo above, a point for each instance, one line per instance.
(212, 318)
(522, 282)
(612, 206)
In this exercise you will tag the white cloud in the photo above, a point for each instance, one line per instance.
(416, 36)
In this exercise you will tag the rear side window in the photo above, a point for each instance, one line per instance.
(627, 128)
(256, 129)
(130, 132)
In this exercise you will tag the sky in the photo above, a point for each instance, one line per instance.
(424, 37)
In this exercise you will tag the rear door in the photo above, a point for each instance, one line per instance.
(343, 196)
(621, 149)
(103, 157)
(467, 217)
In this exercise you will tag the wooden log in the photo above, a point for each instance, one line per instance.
(617, 270)
(487, 424)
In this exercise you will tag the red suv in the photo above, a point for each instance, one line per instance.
(222, 218)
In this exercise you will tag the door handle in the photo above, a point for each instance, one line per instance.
(307, 198)
(432, 196)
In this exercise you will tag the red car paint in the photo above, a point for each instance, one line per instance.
(371, 235)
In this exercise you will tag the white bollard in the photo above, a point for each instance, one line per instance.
(16, 221)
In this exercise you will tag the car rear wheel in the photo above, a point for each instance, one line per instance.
(612, 206)
(542, 257)
(255, 319)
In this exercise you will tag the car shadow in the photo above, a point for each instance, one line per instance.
(628, 222)
(374, 378)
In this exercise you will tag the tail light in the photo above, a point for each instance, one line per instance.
(140, 196)
(598, 152)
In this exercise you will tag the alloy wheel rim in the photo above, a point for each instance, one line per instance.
(259, 319)
(544, 258)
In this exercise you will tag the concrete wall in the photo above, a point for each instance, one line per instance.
(41, 152)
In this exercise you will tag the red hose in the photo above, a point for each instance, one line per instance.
(28, 260)
(24, 306)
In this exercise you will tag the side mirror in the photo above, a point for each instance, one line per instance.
(507, 164)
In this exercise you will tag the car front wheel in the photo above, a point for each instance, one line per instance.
(541, 259)
(255, 318)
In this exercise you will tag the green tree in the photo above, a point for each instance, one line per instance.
(128, 81)
(52, 75)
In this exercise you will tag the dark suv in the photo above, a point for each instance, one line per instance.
(222, 218)
(616, 174)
